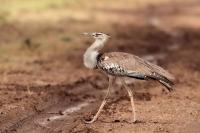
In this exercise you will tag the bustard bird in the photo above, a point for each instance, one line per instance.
(119, 64)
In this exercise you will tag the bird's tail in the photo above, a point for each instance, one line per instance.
(167, 85)
(163, 80)
(155, 76)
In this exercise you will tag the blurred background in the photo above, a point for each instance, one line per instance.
(41, 66)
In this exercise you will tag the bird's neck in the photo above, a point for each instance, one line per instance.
(90, 56)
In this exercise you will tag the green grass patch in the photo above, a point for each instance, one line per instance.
(33, 5)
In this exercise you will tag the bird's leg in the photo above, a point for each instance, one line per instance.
(131, 99)
(103, 103)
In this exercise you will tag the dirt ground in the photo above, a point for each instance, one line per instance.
(44, 87)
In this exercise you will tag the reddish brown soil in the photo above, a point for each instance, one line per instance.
(60, 81)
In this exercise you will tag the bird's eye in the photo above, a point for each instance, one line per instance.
(98, 34)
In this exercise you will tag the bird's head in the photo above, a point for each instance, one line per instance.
(97, 35)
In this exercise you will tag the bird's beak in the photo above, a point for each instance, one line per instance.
(86, 34)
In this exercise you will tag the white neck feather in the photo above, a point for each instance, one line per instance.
(90, 56)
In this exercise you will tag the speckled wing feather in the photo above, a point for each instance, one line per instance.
(124, 64)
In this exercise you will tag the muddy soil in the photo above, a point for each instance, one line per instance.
(54, 93)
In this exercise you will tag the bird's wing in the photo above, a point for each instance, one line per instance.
(124, 64)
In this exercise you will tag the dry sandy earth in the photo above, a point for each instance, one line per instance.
(45, 88)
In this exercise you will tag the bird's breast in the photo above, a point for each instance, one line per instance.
(90, 59)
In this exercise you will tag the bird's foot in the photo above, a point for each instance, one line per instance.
(89, 121)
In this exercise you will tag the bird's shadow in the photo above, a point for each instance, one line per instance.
(122, 121)
(136, 122)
